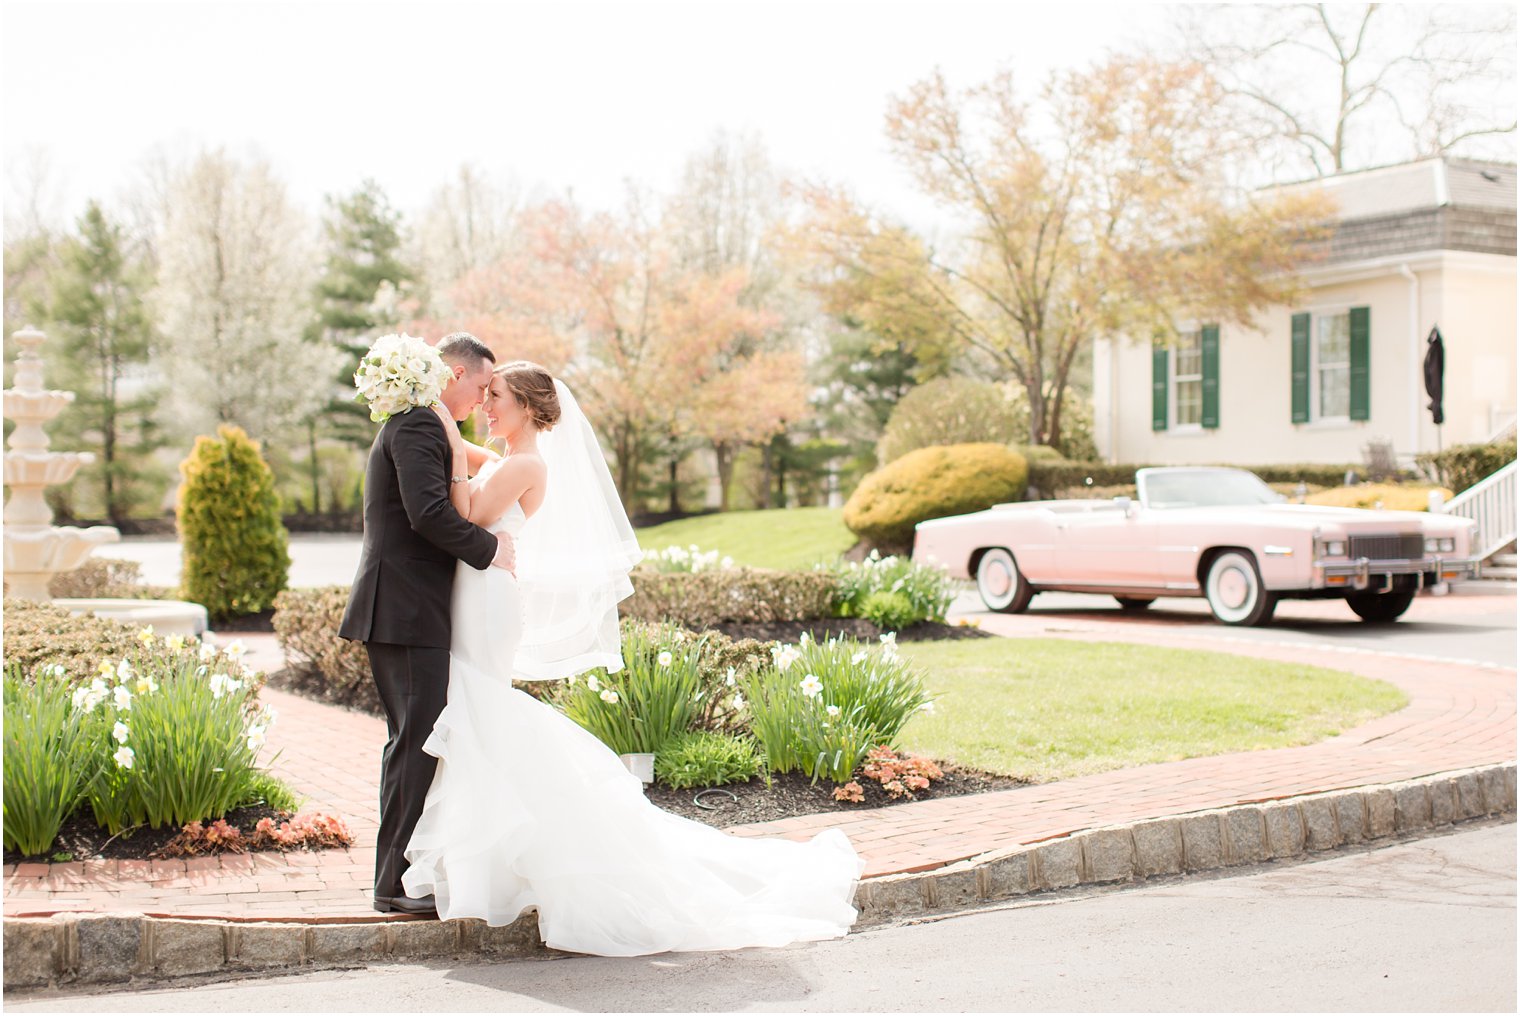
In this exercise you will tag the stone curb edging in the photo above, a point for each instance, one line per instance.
(93, 949)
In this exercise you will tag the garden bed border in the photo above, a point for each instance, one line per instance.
(82, 948)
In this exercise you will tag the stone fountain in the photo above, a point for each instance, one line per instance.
(35, 549)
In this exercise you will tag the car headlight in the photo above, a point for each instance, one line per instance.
(1335, 548)
(1440, 545)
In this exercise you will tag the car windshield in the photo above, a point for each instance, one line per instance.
(1206, 487)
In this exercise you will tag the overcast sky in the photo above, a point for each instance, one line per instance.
(562, 95)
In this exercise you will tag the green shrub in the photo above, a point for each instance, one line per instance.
(705, 758)
(39, 634)
(306, 623)
(1037, 454)
(46, 764)
(932, 483)
(889, 611)
(1389, 496)
(1462, 466)
(952, 411)
(706, 598)
(236, 555)
(928, 590)
(652, 700)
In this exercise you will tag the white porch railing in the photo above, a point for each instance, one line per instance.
(1491, 503)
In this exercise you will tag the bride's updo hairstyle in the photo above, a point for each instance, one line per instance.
(533, 388)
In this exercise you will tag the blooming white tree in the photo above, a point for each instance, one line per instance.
(234, 277)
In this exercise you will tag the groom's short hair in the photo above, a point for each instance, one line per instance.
(466, 349)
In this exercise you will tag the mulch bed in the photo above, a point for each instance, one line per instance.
(793, 794)
(858, 628)
(81, 839)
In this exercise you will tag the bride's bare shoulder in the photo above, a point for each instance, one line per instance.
(524, 467)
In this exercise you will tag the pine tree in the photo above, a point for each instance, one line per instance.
(363, 239)
(99, 332)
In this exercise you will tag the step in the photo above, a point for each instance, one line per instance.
(1503, 560)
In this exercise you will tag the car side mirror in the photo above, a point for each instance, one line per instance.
(1125, 505)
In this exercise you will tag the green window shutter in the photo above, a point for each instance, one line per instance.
(1361, 374)
(1211, 376)
(1300, 368)
(1158, 387)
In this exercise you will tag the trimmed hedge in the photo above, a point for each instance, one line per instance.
(932, 483)
(306, 624)
(1045, 478)
(1463, 466)
(702, 599)
(39, 633)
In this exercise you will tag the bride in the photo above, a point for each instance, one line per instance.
(527, 809)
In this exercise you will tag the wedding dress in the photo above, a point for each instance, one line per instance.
(528, 809)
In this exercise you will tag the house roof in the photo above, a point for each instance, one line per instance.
(1441, 203)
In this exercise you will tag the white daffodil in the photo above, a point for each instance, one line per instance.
(124, 671)
(609, 696)
(106, 669)
(833, 712)
(593, 684)
(207, 651)
(804, 639)
(786, 657)
(738, 701)
(889, 639)
(255, 737)
(145, 636)
(56, 670)
(80, 695)
(811, 686)
(123, 696)
(235, 649)
(121, 732)
(928, 707)
(729, 678)
(145, 685)
(124, 757)
(664, 658)
(234, 686)
(218, 684)
(726, 563)
(860, 657)
(175, 642)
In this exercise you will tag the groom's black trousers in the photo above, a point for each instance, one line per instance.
(414, 685)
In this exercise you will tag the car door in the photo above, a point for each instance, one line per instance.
(1105, 546)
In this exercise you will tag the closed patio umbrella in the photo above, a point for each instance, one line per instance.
(1435, 371)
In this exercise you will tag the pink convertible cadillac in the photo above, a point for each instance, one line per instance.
(1218, 533)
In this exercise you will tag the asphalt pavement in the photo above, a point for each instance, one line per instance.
(1427, 925)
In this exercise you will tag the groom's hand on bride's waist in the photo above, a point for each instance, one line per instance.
(505, 557)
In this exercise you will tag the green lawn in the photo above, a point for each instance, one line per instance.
(1047, 709)
(786, 538)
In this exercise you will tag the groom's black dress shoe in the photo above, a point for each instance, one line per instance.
(406, 904)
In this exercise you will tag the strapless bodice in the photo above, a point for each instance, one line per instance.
(511, 520)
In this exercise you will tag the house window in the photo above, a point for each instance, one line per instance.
(1187, 379)
(1332, 366)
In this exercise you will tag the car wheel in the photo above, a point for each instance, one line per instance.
(1000, 584)
(1133, 603)
(1235, 592)
(1380, 608)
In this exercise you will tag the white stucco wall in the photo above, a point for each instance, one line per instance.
(1471, 297)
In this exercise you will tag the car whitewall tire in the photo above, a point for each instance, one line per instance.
(1235, 592)
(1000, 584)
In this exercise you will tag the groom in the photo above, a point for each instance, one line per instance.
(399, 606)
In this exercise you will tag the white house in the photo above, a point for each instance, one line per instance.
(1417, 246)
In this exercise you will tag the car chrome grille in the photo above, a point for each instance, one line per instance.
(1388, 548)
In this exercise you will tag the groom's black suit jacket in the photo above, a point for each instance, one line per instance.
(412, 536)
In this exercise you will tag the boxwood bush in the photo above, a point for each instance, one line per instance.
(39, 633)
(306, 625)
(702, 599)
(932, 483)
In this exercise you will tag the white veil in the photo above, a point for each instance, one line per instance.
(573, 557)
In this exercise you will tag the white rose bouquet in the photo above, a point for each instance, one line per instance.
(400, 372)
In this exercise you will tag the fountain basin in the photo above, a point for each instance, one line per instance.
(168, 617)
(33, 556)
(43, 469)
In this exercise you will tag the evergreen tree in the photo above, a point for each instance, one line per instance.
(363, 240)
(100, 332)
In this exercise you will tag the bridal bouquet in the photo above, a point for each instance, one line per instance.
(399, 373)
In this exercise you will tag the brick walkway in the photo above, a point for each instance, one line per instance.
(1458, 716)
